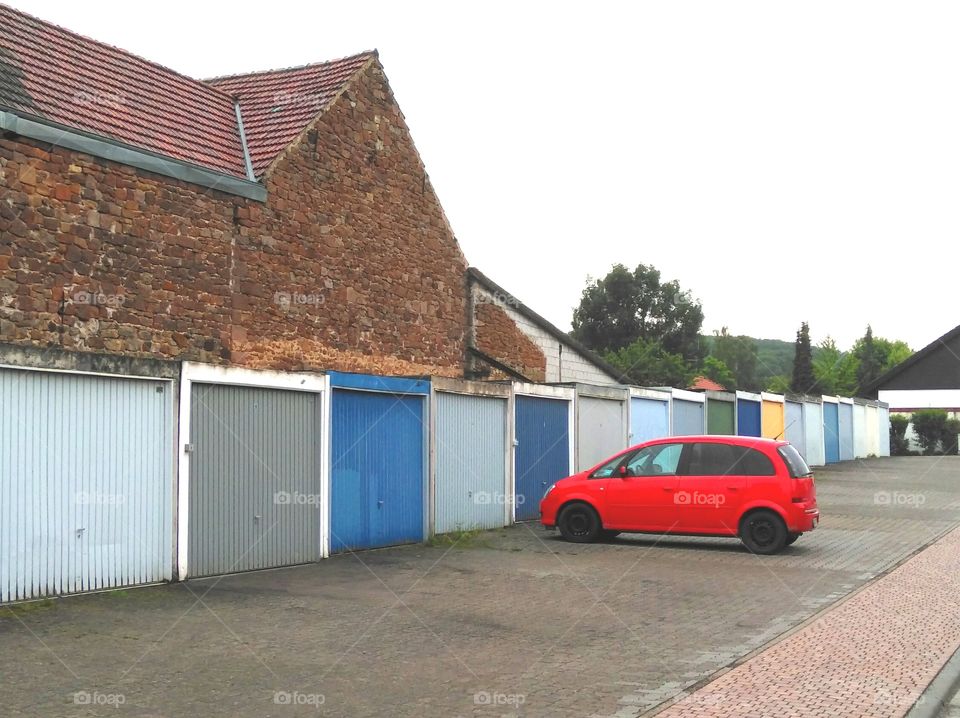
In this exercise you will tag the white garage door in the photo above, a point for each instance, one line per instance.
(86, 495)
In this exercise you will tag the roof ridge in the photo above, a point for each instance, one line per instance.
(199, 83)
(253, 73)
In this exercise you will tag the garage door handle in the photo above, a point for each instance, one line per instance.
(379, 504)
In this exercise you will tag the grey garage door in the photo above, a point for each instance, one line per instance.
(254, 479)
(600, 430)
(471, 455)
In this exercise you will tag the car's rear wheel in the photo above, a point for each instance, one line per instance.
(579, 523)
(763, 532)
(608, 534)
(792, 537)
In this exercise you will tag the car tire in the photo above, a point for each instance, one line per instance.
(609, 534)
(579, 523)
(792, 537)
(763, 532)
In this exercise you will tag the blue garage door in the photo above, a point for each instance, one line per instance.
(543, 450)
(649, 419)
(687, 418)
(845, 422)
(378, 466)
(793, 417)
(748, 417)
(831, 432)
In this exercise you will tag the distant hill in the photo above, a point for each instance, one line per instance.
(774, 357)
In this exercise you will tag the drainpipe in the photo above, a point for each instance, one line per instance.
(243, 142)
(559, 362)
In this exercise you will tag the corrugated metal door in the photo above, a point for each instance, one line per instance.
(831, 432)
(884, 431)
(845, 423)
(470, 454)
(377, 470)
(873, 431)
(813, 433)
(860, 440)
(649, 419)
(721, 417)
(772, 419)
(687, 418)
(748, 417)
(600, 430)
(542, 452)
(86, 483)
(254, 478)
(793, 429)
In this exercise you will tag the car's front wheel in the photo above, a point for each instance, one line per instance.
(792, 537)
(763, 532)
(579, 523)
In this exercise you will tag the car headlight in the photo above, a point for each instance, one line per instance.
(549, 489)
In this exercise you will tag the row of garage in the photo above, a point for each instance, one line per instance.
(116, 480)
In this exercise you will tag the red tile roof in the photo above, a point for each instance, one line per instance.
(53, 74)
(702, 383)
(278, 104)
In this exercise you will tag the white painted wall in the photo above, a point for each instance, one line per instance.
(900, 399)
(576, 367)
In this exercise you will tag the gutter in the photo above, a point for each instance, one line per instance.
(54, 133)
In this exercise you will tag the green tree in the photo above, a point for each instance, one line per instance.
(948, 437)
(715, 369)
(625, 306)
(835, 371)
(803, 379)
(929, 426)
(899, 444)
(870, 360)
(646, 363)
(778, 384)
(739, 353)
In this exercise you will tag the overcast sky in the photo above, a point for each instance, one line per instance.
(783, 161)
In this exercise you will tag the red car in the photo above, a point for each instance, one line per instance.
(758, 489)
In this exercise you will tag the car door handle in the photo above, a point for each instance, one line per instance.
(733, 488)
(668, 488)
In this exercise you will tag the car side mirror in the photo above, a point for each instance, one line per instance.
(624, 472)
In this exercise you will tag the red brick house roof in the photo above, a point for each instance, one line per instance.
(702, 383)
(278, 104)
(58, 76)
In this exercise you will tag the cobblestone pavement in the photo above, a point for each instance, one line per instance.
(513, 622)
(871, 656)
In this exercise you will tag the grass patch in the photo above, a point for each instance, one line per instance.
(475, 538)
(25, 609)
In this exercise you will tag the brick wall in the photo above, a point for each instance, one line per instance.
(349, 265)
(498, 337)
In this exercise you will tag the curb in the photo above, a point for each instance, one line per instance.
(937, 695)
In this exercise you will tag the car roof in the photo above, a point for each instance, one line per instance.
(751, 441)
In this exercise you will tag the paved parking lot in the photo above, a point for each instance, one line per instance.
(508, 622)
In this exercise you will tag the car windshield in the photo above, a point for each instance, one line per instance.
(795, 464)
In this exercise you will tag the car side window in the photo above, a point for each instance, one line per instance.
(755, 463)
(655, 460)
(715, 459)
(609, 469)
(708, 459)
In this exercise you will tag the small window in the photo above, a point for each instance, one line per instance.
(795, 464)
(655, 460)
